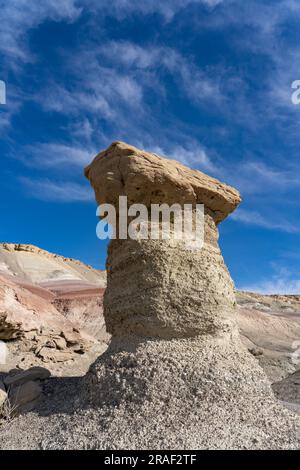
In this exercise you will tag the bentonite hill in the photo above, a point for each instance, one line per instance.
(176, 374)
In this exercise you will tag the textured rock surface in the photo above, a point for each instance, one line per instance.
(20, 391)
(148, 179)
(159, 289)
(84, 310)
(162, 394)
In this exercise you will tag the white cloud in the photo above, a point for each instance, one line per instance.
(254, 177)
(166, 8)
(198, 84)
(5, 120)
(52, 155)
(97, 90)
(113, 86)
(82, 129)
(255, 218)
(18, 17)
(192, 154)
(282, 282)
(57, 191)
(112, 82)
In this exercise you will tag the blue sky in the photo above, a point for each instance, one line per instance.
(207, 82)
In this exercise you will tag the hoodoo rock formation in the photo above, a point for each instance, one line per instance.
(159, 288)
(176, 374)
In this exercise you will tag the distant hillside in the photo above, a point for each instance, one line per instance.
(32, 264)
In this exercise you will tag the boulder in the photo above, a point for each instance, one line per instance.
(24, 394)
(29, 375)
(60, 342)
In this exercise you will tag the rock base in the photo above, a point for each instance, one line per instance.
(201, 393)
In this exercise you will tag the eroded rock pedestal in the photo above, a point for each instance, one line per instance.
(159, 288)
(176, 374)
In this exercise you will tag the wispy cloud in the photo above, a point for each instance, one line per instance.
(193, 154)
(166, 8)
(13, 105)
(52, 155)
(119, 89)
(283, 281)
(198, 84)
(118, 78)
(57, 191)
(275, 286)
(102, 91)
(18, 17)
(250, 217)
(255, 177)
(115, 84)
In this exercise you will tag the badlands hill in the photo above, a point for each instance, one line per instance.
(28, 263)
(270, 328)
(50, 309)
